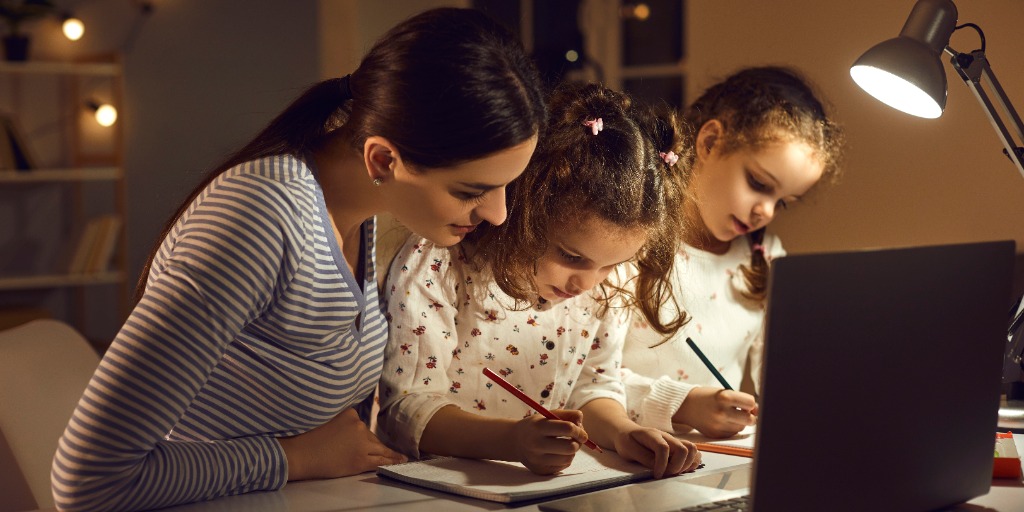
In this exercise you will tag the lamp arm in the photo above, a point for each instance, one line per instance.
(973, 67)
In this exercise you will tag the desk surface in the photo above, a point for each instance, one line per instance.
(367, 491)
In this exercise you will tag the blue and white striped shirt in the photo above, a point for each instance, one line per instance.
(252, 327)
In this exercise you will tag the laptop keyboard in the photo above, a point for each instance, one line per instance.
(739, 504)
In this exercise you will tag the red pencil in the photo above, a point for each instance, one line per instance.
(529, 401)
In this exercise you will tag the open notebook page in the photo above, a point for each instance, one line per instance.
(509, 482)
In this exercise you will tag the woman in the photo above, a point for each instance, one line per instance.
(258, 329)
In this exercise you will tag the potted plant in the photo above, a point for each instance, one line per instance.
(14, 13)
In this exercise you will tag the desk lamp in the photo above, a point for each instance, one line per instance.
(906, 73)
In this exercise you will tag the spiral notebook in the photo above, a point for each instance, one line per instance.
(511, 482)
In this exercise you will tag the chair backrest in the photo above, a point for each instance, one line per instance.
(45, 366)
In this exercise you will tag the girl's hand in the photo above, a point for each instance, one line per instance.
(717, 412)
(341, 447)
(548, 446)
(662, 452)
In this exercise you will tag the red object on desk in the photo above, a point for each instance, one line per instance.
(529, 401)
(1006, 466)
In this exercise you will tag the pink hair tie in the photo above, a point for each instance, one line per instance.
(670, 158)
(595, 125)
(757, 248)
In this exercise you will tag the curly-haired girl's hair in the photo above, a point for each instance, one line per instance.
(619, 175)
(759, 106)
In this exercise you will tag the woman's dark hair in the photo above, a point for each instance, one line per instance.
(759, 106)
(619, 175)
(445, 86)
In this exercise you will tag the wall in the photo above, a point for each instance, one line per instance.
(907, 181)
(201, 78)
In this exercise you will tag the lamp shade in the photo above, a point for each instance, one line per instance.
(906, 72)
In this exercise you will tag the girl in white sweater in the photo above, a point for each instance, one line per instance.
(763, 141)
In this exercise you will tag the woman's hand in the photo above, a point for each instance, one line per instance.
(663, 453)
(548, 446)
(341, 447)
(717, 412)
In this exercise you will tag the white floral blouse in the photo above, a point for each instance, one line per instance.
(449, 320)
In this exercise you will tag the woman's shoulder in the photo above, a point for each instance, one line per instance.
(277, 190)
(283, 172)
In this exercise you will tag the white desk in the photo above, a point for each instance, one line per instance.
(367, 491)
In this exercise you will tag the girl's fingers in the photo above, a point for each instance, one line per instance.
(737, 400)
(560, 446)
(570, 415)
(561, 428)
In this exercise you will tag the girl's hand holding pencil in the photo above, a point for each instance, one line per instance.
(716, 412)
(548, 446)
(547, 442)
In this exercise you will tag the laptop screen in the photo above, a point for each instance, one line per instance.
(881, 377)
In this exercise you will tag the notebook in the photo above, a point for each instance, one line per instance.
(741, 444)
(880, 386)
(511, 482)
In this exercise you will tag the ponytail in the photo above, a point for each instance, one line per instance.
(756, 275)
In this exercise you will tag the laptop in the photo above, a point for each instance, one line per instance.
(880, 387)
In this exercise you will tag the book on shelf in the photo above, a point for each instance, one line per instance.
(96, 245)
(107, 244)
(85, 242)
(7, 162)
(511, 482)
(14, 150)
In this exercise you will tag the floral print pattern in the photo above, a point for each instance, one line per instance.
(562, 354)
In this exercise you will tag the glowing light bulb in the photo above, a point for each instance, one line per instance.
(642, 12)
(106, 114)
(73, 28)
(638, 12)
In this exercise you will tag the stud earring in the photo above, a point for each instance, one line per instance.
(377, 181)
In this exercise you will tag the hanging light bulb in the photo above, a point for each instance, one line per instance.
(73, 28)
(105, 113)
(639, 11)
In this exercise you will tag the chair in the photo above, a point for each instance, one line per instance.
(45, 366)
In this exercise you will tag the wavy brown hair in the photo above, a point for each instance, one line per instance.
(617, 175)
(760, 106)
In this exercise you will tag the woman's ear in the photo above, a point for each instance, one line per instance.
(380, 157)
(708, 135)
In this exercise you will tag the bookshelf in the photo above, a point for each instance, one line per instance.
(65, 268)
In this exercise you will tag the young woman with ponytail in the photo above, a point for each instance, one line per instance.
(258, 339)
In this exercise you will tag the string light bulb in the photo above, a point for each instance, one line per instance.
(638, 12)
(73, 28)
(105, 113)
